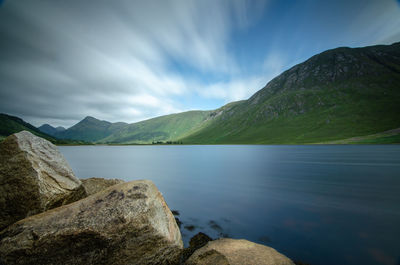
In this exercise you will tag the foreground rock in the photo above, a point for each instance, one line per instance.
(94, 185)
(128, 223)
(196, 242)
(34, 177)
(237, 252)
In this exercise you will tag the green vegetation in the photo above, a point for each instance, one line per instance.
(387, 137)
(90, 129)
(344, 93)
(50, 130)
(335, 95)
(11, 124)
(160, 129)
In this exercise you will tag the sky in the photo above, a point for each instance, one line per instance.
(127, 60)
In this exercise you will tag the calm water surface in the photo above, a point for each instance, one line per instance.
(317, 204)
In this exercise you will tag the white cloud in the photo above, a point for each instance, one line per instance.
(112, 60)
(233, 90)
(376, 22)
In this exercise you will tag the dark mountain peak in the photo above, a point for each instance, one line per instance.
(48, 129)
(339, 67)
(90, 119)
(60, 129)
(45, 126)
(90, 129)
(339, 93)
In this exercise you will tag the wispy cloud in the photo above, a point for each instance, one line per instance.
(110, 59)
(129, 60)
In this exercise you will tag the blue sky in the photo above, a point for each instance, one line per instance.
(126, 60)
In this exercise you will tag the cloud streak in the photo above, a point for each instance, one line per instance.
(131, 60)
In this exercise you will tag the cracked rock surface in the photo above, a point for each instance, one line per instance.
(128, 223)
(34, 177)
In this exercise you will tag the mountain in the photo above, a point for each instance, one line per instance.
(338, 94)
(90, 129)
(343, 95)
(11, 124)
(164, 128)
(50, 130)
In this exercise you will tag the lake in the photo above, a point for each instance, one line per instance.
(319, 204)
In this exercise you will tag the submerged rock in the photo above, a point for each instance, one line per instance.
(227, 251)
(196, 242)
(34, 177)
(94, 185)
(128, 223)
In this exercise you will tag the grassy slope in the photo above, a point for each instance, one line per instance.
(164, 128)
(91, 130)
(386, 137)
(11, 124)
(317, 101)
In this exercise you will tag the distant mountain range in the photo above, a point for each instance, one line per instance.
(50, 130)
(343, 93)
(11, 124)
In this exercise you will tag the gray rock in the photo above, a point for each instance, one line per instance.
(236, 252)
(94, 185)
(128, 223)
(34, 177)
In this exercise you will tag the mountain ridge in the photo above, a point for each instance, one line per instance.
(11, 124)
(50, 130)
(317, 100)
(337, 94)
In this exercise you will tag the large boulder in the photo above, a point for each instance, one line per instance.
(34, 177)
(128, 223)
(94, 185)
(228, 251)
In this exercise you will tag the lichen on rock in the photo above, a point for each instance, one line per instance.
(128, 223)
(34, 177)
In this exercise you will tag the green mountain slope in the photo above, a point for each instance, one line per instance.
(11, 124)
(164, 128)
(338, 94)
(50, 130)
(90, 129)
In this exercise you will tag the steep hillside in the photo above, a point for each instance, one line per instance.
(50, 130)
(340, 93)
(90, 129)
(164, 128)
(11, 124)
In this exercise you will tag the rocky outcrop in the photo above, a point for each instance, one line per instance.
(236, 252)
(196, 242)
(94, 185)
(128, 223)
(34, 177)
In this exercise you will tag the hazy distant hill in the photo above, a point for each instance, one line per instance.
(90, 129)
(340, 93)
(50, 130)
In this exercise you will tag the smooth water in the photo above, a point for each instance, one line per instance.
(316, 204)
